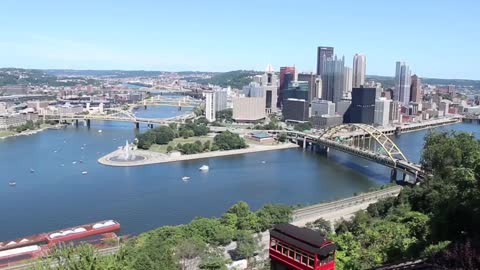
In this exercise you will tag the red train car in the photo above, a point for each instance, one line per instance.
(83, 231)
(295, 248)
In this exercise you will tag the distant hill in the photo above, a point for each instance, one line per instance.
(235, 79)
(117, 73)
(388, 81)
(36, 77)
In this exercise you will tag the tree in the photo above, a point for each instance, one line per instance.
(272, 214)
(213, 260)
(228, 141)
(188, 250)
(163, 135)
(206, 146)
(321, 225)
(169, 149)
(247, 245)
(282, 137)
(303, 126)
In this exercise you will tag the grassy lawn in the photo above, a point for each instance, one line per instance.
(163, 148)
(4, 133)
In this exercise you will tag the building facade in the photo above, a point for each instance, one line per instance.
(402, 83)
(210, 106)
(322, 107)
(287, 75)
(323, 53)
(312, 81)
(347, 82)
(395, 112)
(221, 97)
(359, 69)
(333, 79)
(248, 109)
(295, 110)
(362, 109)
(415, 89)
(382, 112)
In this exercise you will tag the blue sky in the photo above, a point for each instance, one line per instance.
(437, 38)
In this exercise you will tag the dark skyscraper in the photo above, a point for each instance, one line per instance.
(287, 75)
(323, 53)
(415, 91)
(362, 109)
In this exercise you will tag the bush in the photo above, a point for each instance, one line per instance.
(228, 141)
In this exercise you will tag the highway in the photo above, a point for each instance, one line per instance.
(341, 208)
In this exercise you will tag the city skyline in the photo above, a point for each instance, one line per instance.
(207, 36)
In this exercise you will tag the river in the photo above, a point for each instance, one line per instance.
(57, 195)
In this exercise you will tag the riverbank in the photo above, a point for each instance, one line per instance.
(28, 132)
(151, 157)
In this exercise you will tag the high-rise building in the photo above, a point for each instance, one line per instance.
(333, 79)
(323, 53)
(311, 79)
(221, 99)
(347, 82)
(359, 69)
(297, 90)
(395, 112)
(362, 109)
(321, 107)
(248, 109)
(342, 106)
(209, 105)
(270, 84)
(266, 86)
(415, 89)
(382, 112)
(287, 75)
(402, 83)
(295, 110)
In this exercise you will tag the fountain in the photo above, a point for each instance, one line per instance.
(125, 155)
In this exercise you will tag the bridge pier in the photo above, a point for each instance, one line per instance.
(88, 123)
(304, 142)
(145, 107)
(76, 122)
(137, 125)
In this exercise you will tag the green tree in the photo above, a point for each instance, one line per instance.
(282, 137)
(213, 260)
(321, 225)
(228, 141)
(272, 214)
(247, 245)
(187, 251)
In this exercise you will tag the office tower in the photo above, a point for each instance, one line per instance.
(209, 105)
(323, 53)
(451, 90)
(295, 110)
(265, 86)
(402, 83)
(287, 75)
(388, 94)
(248, 109)
(415, 89)
(382, 112)
(221, 99)
(342, 106)
(321, 107)
(347, 82)
(362, 109)
(318, 88)
(359, 69)
(297, 90)
(395, 112)
(311, 79)
(333, 79)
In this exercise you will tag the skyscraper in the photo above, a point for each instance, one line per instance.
(382, 112)
(333, 79)
(220, 99)
(312, 86)
(323, 53)
(415, 91)
(402, 84)
(362, 109)
(287, 75)
(210, 106)
(347, 82)
(359, 69)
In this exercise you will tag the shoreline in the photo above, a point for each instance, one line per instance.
(29, 132)
(158, 158)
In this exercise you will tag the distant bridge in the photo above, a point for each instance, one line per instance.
(186, 101)
(115, 115)
(366, 142)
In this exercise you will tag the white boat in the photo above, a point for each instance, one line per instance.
(32, 170)
(12, 183)
(263, 162)
(74, 162)
(84, 172)
(204, 168)
(185, 178)
(100, 131)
